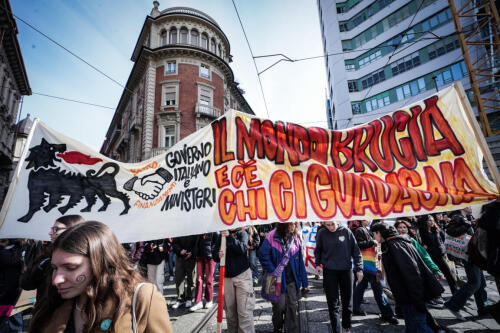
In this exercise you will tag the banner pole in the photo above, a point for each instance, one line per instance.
(222, 271)
(490, 162)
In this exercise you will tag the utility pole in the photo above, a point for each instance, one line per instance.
(483, 70)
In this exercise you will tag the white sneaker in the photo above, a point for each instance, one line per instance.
(176, 305)
(208, 305)
(171, 278)
(196, 307)
(189, 304)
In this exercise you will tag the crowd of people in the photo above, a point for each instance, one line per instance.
(86, 281)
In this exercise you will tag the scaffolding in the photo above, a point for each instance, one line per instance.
(477, 25)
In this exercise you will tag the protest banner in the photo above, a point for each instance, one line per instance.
(309, 244)
(243, 170)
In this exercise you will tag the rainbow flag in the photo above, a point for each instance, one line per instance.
(369, 261)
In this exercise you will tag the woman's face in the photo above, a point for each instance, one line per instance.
(402, 229)
(57, 229)
(71, 273)
(291, 228)
(430, 222)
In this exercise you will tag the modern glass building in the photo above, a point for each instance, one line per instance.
(384, 54)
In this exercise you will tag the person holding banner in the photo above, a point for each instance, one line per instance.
(185, 265)
(205, 266)
(336, 248)
(239, 297)
(411, 282)
(95, 288)
(294, 277)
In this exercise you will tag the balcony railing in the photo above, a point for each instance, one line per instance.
(158, 151)
(207, 110)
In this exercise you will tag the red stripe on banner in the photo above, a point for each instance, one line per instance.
(75, 157)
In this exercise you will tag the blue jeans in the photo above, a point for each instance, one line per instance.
(12, 324)
(383, 305)
(475, 285)
(252, 258)
(171, 263)
(415, 321)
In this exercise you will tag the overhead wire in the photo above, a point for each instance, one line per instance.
(255, 64)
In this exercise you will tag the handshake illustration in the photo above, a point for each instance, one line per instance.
(149, 186)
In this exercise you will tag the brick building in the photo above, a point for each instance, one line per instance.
(13, 84)
(180, 82)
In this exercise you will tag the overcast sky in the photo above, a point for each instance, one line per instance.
(104, 32)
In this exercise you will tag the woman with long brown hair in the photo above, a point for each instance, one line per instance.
(94, 286)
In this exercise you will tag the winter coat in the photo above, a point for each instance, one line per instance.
(236, 253)
(154, 256)
(434, 242)
(187, 243)
(336, 250)
(206, 245)
(410, 280)
(151, 313)
(425, 257)
(11, 265)
(272, 251)
(363, 238)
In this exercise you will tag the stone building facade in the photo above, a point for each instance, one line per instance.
(180, 82)
(13, 85)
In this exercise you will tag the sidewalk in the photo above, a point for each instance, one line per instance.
(315, 318)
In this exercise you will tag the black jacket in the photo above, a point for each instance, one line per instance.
(363, 238)
(206, 245)
(11, 265)
(152, 254)
(410, 280)
(236, 253)
(187, 243)
(434, 242)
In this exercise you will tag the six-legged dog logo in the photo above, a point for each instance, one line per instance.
(48, 180)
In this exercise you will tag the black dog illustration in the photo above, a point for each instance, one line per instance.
(47, 180)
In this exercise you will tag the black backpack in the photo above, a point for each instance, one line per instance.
(477, 248)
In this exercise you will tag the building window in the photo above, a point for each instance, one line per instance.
(352, 85)
(170, 94)
(205, 100)
(173, 36)
(204, 41)
(205, 71)
(194, 38)
(169, 136)
(171, 67)
(163, 38)
(184, 35)
(213, 46)
(219, 53)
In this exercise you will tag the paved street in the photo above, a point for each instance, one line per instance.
(314, 314)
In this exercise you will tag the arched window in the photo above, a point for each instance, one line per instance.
(194, 38)
(212, 46)
(219, 51)
(184, 35)
(163, 37)
(204, 41)
(173, 36)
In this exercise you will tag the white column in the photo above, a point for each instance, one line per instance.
(149, 102)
